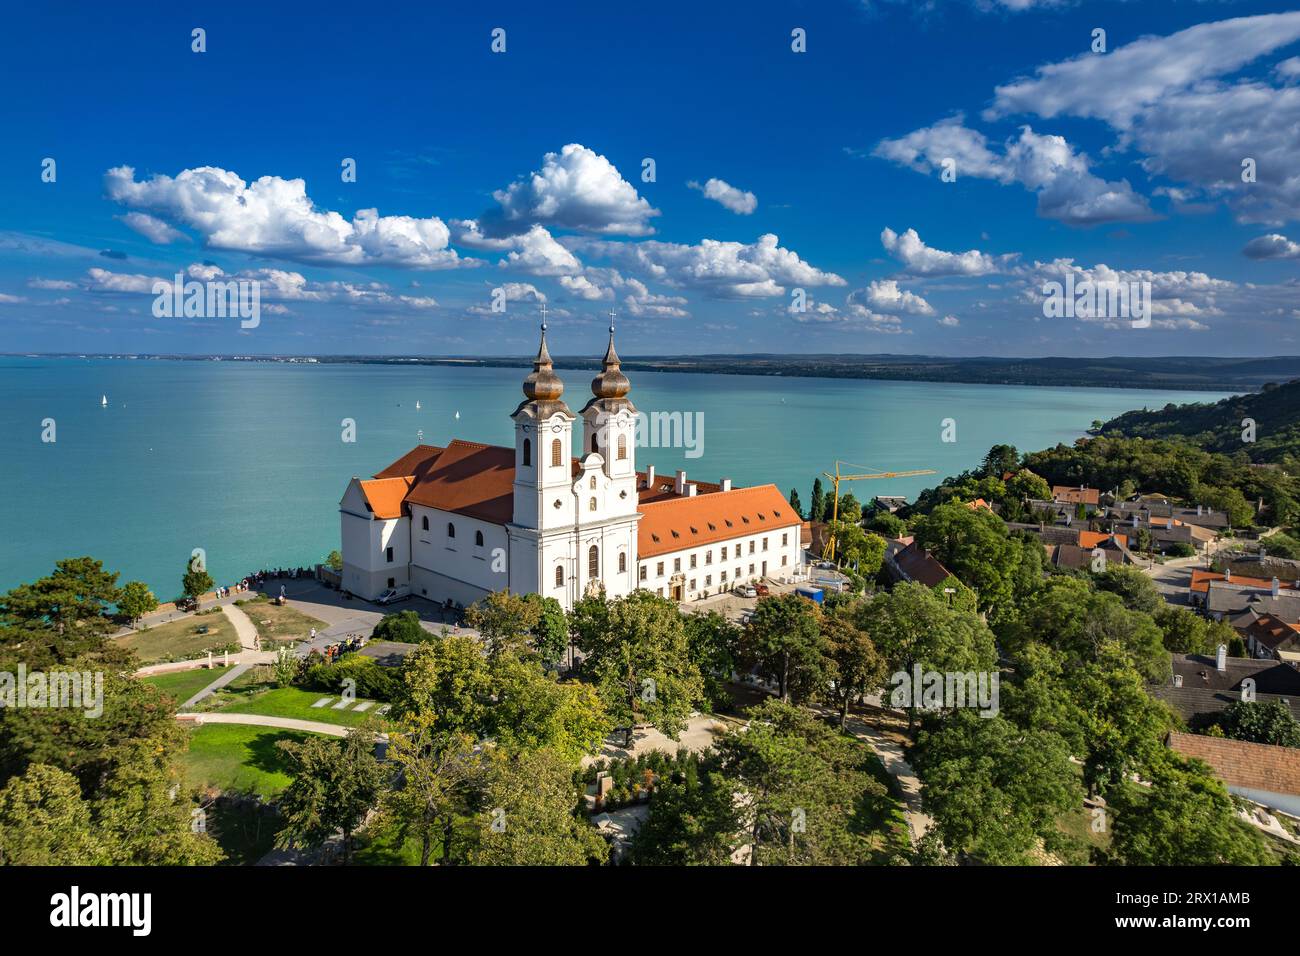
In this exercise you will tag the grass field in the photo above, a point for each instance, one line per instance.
(246, 832)
(181, 640)
(238, 757)
(294, 702)
(278, 625)
(183, 685)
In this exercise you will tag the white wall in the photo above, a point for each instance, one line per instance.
(708, 575)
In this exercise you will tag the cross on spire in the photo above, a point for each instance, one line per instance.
(612, 313)
(544, 311)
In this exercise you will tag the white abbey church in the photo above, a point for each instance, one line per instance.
(455, 523)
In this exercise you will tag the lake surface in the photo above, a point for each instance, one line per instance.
(246, 461)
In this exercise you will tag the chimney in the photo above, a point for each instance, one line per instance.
(690, 490)
(1277, 587)
(649, 476)
(1227, 573)
(1135, 521)
(726, 484)
(1178, 680)
(679, 486)
(1221, 658)
(1198, 511)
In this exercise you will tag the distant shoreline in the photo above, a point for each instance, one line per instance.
(1168, 373)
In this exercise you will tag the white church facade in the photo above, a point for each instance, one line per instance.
(457, 522)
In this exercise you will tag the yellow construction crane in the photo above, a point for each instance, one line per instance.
(829, 552)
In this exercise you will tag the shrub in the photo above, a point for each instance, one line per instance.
(372, 681)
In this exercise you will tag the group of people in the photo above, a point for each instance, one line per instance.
(334, 651)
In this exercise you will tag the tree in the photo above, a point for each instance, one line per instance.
(530, 819)
(506, 621)
(974, 546)
(1135, 589)
(795, 503)
(1186, 632)
(532, 710)
(850, 509)
(439, 775)
(1070, 616)
(1260, 723)
(889, 525)
(403, 627)
(995, 790)
(638, 658)
(196, 581)
(61, 617)
(694, 819)
(45, 822)
(858, 549)
(136, 600)
(1000, 460)
(817, 508)
(1185, 818)
(805, 794)
(856, 668)
(911, 627)
(334, 561)
(783, 643)
(448, 681)
(713, 643)
(551, 634)
(335, 784)
(1026, 486)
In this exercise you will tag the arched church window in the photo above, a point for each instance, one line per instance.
(593, 562)
(424, 522)
(478, 538)
(622, 447)
(528, 452)
(451, 530)
(555, 453)
(622, 562)
(559, 575)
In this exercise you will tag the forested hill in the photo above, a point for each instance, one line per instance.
(1275, 410)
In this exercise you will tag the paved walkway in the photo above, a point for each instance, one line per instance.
(891, 755)
(262, 720)
(244, 626)
(699, 735)
(219, 683)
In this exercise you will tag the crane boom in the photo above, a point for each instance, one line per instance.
(829, 551)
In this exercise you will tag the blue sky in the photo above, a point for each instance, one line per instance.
(775, 171)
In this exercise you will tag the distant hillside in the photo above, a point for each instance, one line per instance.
(1201, 373)
(1218, 427)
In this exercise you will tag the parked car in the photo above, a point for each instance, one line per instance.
(744, 590)
(761, 590)
(389, 596)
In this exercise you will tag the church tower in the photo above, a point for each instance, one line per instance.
(543, 448)
(609, 430)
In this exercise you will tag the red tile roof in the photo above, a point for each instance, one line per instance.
(1087, 496)
(687, 522)
(477, 480)
(1201, 580)
(1241, 764)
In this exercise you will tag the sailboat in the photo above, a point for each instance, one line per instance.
(103, 401)
(458, 416)
(417, 404)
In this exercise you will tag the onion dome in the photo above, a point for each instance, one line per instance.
(543, 385)
(611, 383)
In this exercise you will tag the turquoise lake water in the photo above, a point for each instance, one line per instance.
(245, 460)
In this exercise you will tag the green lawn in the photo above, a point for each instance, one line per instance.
(238, 757)
(183, 685)
(181, 640)
(297, 703)
(279, 625)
